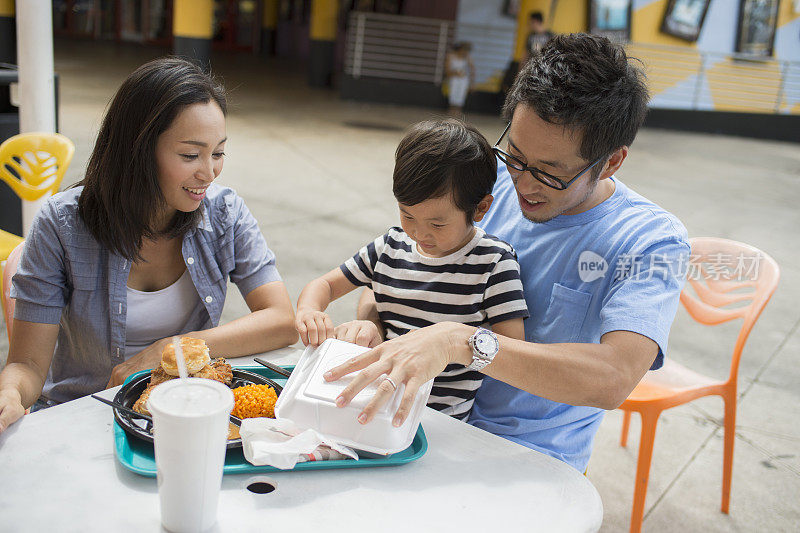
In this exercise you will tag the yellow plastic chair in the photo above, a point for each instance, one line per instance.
(39, 161)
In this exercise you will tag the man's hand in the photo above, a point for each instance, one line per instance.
(11, 409)
(361, 332)
(413, 359)
(148, 358)
(313, 326)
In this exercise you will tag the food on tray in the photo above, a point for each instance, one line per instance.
(252, 401)
(198, 364)
(195, 354)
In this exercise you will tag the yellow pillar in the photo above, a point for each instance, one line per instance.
(10, 204)
(192, 27)
(8, 33)
(269, 24)
(322, 31)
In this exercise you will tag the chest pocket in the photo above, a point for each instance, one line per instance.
(86, 276)
(565, 314)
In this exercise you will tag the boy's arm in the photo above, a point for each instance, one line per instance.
(513, 328)
(313, 325)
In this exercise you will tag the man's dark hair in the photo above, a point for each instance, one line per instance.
(121, 196)
(440, 157)
(587, 84)
(536, 15)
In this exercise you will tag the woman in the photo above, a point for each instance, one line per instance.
(141, 250)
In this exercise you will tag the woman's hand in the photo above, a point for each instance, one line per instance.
(361, 332)
(414, 359)
(11, 408)
(148, 358)
(313, 326)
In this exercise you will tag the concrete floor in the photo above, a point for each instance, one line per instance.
(316, 171)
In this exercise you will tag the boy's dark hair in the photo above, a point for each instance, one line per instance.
(440, 157)
(536, 15)
(586, 83)
(121, 195)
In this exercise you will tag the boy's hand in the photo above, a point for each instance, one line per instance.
(361, 332)
(313, 326)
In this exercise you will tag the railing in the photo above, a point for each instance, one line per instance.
(413, 48)
(700, 80)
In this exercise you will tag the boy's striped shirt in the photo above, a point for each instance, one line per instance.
(476, 285)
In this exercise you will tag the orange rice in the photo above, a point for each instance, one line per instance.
(253, 401)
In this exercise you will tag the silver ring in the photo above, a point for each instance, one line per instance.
(390, 380)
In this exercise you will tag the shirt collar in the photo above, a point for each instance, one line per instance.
(205, 221)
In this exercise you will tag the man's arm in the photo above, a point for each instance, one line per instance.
(368, 308)
(598, 375)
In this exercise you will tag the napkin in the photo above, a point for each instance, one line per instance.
(280, 443)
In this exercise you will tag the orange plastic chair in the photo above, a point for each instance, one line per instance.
(8, 272)
(719, 297)
(39, 161)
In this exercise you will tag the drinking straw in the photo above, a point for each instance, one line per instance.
(179, 358)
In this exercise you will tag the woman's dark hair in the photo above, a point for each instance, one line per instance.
(440, 157)
(121, 197)
(586, 83)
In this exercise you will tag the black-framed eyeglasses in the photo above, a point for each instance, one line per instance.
(542, 176)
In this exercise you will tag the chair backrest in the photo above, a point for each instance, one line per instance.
(33, 164)
(9, 270)
(730, 280)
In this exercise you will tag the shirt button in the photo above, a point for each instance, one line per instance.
(209, 299)
(190, 261)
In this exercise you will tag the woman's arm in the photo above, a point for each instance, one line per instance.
(29, 358)
(269, 326)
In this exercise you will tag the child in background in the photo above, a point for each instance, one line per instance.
(437, 266)
(460, 77)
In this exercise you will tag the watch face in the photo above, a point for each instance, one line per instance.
(486, 344)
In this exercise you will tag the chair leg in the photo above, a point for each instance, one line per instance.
(626, 423)
(649, 422)
(727, 461)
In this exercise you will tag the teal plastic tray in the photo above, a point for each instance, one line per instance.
(137, 455)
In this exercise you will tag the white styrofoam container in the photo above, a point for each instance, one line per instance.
(309, 401)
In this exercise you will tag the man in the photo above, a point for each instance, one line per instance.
(600, 265)
(538, 36)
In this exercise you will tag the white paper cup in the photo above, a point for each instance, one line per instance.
(190, 430)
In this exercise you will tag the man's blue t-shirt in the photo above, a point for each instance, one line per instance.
(618, 266)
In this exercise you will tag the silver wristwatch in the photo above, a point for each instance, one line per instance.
(484, 346)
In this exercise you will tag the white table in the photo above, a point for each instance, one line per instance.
(58, 472)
